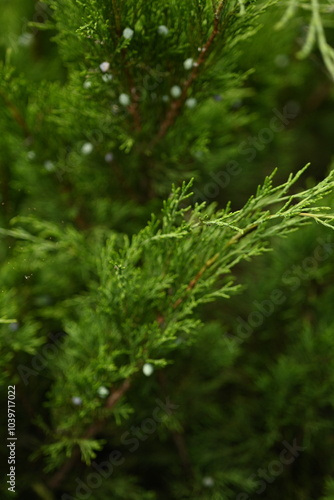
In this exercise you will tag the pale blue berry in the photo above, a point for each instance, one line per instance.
(26, 39)
(103, 391)
(124, 99)
(128, 33)
(208, 481)
(109, 157)
(49, 166)
(188, 63)
(87, 148)
(148, 369)
(191, 102)
(31, 155)
(163, 30)
(176, 91)
(104, 67)
(107, 77)
(76, 401)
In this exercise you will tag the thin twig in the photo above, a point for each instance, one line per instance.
(80, 219)
(195, 280)
(160, 318)
(117, 17)
(178, 437)
(123, 181)
(16, 114)
(94, 429)
(239, 236)
(133, 107)
(176, 105)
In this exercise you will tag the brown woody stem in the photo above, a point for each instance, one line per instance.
(94, 429)
(176, 105)
(16, 114)
(195, 280)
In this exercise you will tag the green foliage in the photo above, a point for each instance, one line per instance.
(162, 356)
(315, 32)
(329, 490)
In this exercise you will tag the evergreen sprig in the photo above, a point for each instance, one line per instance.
(143, 301)
(315, 35)
(124, 98)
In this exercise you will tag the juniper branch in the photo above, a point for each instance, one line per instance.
(195, 280)
(92, 431)
(176, 105)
